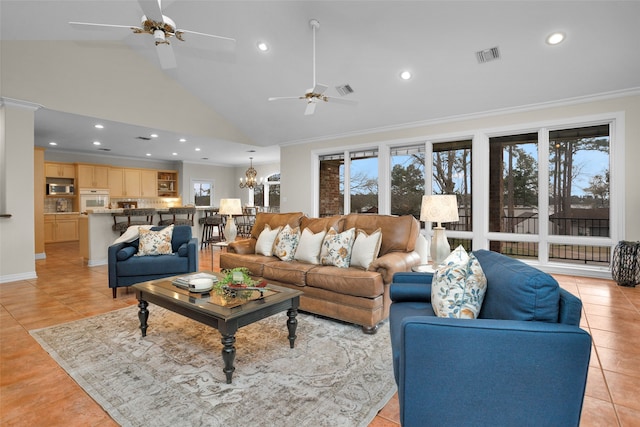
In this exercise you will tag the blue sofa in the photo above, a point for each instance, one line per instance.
(125, 269)
(523, 362)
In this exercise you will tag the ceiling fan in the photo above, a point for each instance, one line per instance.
(161, 27)
(316, 93)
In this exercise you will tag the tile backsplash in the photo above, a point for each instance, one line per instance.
(58, 204)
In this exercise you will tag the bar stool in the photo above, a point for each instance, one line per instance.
(188, 211)
(211, 220)
(134, 217)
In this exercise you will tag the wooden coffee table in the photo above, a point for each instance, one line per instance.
(225, 313)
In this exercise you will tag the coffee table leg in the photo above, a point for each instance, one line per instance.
(143, 315)
(228, 355)
(292, 324)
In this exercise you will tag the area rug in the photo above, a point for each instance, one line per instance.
(335, 376)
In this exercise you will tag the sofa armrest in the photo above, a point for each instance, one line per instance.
(112, 260)
(501, 372)
(244, 246)
(192, 253)
(407, 292)
(394, 262)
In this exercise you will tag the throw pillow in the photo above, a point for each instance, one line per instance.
(284, 247)
(264, 244)
(131, 234)
(365, 248)
(336, 248)
(308, 249)
(458, 286)
(155, 242)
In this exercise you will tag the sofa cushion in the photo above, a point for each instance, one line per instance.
(458, 286)
(284, 247)
(153, 265)
(517, 291)
(155, 242)
(399, 233)
(254, 262)
(308, 249)
(336, 248)
(365, 248)
(292, 272)
(264, 245)
(346, 281)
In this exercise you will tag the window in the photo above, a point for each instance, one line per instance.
(407, 179)
(202, 192)
(360, 191)
(539, 193)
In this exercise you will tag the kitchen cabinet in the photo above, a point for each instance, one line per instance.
(167, 184)
(148, 183)
(59, 170)
(60, 227)
(125, 182)
(93, 176)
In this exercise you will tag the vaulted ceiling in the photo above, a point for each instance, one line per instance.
(365, 44)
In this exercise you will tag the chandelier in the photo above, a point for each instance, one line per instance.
(250, 181)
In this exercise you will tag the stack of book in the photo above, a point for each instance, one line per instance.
(184, 282)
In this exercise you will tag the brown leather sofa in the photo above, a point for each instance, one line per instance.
(349, 294)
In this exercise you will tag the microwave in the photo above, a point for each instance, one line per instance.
(60, 190)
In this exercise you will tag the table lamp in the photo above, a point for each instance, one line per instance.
(230, 207)
(439, 208)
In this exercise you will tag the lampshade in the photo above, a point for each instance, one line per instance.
(230, 207)
(439, 208)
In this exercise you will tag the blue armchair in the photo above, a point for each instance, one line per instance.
(523, 362)
(125, 269)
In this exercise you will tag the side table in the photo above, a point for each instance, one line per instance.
(423, 268)
(222, 245)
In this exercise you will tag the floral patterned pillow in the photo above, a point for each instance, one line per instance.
(336, 248)
(458, 286)
(155, 242)
(284, 247)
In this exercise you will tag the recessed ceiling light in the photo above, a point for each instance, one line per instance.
(96, 142)
(262, 46)
(197, 149)
(53, 143)
(154, 135)
(183, 140)
(148, 154)
(555, 38)
(98, 126)
(405, 75)
(174, 154)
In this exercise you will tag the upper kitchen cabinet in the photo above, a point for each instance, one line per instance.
(59, 170)
(93, 176)
(125, 182)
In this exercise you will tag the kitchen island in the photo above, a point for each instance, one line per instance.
(96, 234)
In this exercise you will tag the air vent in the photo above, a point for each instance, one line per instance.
(144, 138)
(488, 55)
(344, 90)
(104, 149)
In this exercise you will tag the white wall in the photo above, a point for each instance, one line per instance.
(17, 234)
(297, 172)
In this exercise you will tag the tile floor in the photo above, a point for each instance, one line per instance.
(34, 390)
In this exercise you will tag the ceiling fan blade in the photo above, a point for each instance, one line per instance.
(206, 35)
(166, 56)
(320, 88)
(91, 24)
(280, 98)
(311, 108)
(151, 9)
(340, 100)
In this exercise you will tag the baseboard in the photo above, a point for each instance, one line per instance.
(17, 277)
